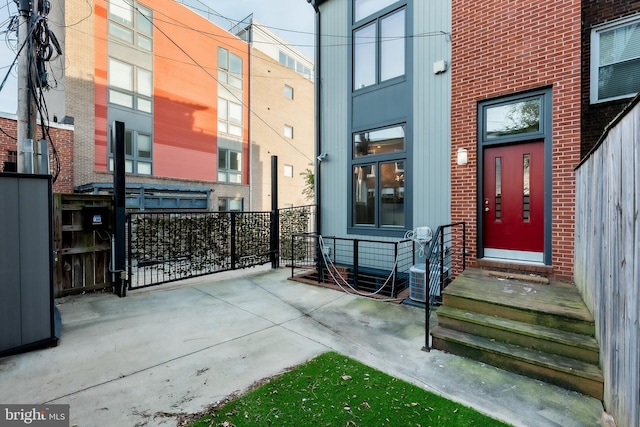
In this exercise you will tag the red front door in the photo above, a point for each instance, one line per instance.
(513, 200)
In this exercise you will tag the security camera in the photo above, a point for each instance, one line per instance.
(322, 156)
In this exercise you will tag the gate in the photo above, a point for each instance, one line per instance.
(168, 246)
(164, 247)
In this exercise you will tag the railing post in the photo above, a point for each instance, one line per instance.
(464, 246)
(274, 240)
(427, 305)
(233, 240)
(355, 264)
(441, 261)
(128, 252)
(394, 290)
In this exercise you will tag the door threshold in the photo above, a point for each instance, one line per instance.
(515, 266)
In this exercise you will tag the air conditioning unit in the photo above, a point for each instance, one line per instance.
(417, 291)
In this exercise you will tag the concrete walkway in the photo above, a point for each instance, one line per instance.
(180, 347)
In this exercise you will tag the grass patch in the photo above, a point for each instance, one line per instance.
(334, 390)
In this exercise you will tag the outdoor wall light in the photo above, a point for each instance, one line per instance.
(463, 156)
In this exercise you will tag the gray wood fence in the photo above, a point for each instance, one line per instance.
(607, 258)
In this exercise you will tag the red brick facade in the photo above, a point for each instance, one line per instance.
(595, 117)
(503, 48)
(62, 138)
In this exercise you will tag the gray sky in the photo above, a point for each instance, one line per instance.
(293, 20)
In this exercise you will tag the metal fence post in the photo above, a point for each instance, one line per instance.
(427, 305)
(233, 240)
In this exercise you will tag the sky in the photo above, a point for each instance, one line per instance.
(292, 20)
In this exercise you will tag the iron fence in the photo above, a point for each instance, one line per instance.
(366, 267)
(168, 246)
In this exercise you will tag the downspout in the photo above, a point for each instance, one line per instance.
(318, 121)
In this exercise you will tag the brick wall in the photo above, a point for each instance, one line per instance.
(62, 137)
(596, 117)
(501, 48)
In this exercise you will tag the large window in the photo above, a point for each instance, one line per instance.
(131, 22)
(229, 166)
(229, 117)
(130, 86)
(378, 167)
(229, 68)
(137, 152)
(615, 60)
(379, 50)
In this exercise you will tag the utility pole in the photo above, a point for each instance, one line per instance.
(27, 146)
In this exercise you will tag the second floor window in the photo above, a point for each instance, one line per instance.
(615, 61)
(229, 166)
(379, 50)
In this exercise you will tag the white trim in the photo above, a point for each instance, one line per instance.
(518, 256)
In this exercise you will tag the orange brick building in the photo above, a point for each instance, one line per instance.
(178, 82)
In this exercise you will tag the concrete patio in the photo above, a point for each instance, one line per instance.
(180, 347)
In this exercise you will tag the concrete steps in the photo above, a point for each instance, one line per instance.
(541, 331)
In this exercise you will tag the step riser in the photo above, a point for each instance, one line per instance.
(520, 315)
(571, 382)
(583, 354)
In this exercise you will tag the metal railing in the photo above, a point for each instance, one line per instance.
(361, 266)
(445, 260)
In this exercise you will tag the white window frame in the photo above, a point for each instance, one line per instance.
(288, 131)
(288, 171)
(595, 56)
(288, 92)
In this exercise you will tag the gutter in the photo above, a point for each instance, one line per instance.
(318, 121)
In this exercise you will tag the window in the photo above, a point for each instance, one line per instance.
(378, 167)
(227, 204)
(229, 117)
(229, 68)
(364, 8)
(137, 152)
(615, 60)
(288, 171)
(379, 50)
(288, 131)
(229, 166)
(132, 23)
(130, 86)
(513, 119)
(288, 92)
(296, 66)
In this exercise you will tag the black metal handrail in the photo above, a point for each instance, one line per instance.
(445, 260)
